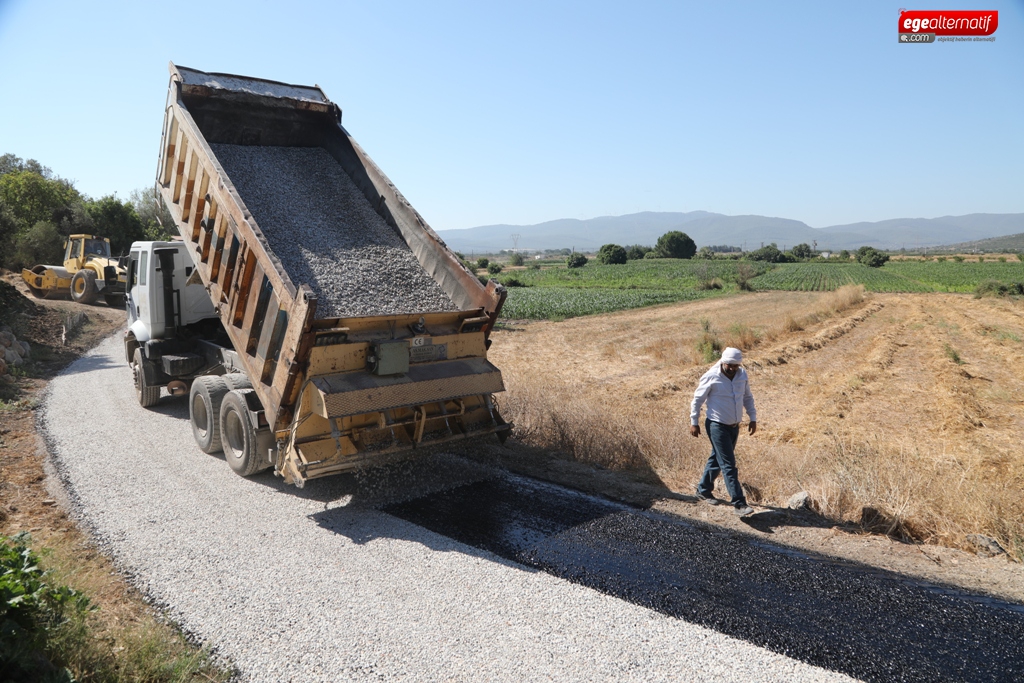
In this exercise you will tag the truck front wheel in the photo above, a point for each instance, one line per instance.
(238, 434)
(204, 404)
(148, 395)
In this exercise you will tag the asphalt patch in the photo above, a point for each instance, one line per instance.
(859, 620)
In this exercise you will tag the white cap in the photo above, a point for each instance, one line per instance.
(732, 356)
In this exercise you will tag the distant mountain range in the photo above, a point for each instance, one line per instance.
(749, 232)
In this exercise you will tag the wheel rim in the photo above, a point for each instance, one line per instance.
(234, 434)
(200, 415)
(138, 378)
(79, 286)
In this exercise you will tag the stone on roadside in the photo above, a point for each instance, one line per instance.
(6, 338)
(799, 501)
(28, 350)
(12, 357)
(3, 367)
(984, 545)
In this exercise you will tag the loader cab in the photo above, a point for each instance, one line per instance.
(78, 249)
(163, 296)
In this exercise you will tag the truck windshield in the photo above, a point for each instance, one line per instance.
(97, 247)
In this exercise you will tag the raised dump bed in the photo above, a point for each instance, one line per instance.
(360, 331)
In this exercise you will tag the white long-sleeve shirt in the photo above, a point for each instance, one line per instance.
(726, 398)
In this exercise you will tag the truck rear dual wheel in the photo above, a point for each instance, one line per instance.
(83, 287)
(204, 404)
(148, 395)
(238, 434)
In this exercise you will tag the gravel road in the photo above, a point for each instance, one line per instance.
(252, 567)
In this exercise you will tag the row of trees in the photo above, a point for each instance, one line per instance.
(39, 209)
(677, 244)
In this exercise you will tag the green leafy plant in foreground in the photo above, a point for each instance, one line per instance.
(32, 612)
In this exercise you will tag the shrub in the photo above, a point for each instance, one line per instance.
(611, 254)
(770, 254)
(744, 274)
(958, 258)
(636, 252)
(32, 614)
(845, 255)
(802, 251)
(952, 354)
(992, 287)
(516, 259)
(576, 260)
(706, 253)
(42, 244)
(514, 282)
(675, 244)
(709, 347)
(652, 254)
(941, 259)
(872, 257)
(494, 268)
(482, 262)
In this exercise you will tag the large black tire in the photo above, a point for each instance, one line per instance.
(236, 380)
(204, 403)
(238, 435)
(148, 395)
(83, 287)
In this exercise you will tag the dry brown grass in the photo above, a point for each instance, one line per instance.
(859, 403)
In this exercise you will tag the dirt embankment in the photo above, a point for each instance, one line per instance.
(27, 501)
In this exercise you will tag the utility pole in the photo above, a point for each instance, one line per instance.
(515, 243)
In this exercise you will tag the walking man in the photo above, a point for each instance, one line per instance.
(726, 391)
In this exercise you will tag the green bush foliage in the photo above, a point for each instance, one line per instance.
(32, 615)
(482, 262)
(871, 257)
(768, 254)
(611, 254)
(494, 268)
(675, 244)
(576, 260)
(802, 251)
(516, 259)
(635, 252)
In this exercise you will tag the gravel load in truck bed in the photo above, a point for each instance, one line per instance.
(326, 234)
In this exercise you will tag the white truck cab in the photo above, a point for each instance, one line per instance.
(163, 296)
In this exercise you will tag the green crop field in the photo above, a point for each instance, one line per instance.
(825, 277)
(559, 292)
(950, 276)
(641, 274)
(553, 303)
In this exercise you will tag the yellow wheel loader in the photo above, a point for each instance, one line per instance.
(88, 272)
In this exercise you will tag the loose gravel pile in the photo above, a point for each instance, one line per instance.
(326, 234)
(318, 584)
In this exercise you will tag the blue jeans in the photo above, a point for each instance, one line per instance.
(723, 459)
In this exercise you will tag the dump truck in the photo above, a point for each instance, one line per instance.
(88, 272)
(314, 319)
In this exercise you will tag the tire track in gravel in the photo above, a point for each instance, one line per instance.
(320, 584)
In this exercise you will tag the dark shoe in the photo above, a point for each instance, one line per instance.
(710, 500)
(744, 510)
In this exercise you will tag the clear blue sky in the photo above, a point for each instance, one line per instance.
(521, 112)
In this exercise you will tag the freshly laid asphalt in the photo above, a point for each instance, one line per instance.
(861, 621)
